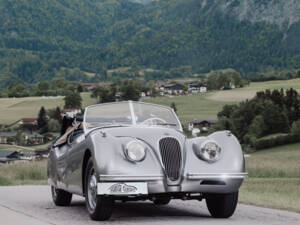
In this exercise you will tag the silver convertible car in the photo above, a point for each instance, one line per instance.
(130, 151)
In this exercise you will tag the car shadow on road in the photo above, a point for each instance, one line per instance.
(147, 210)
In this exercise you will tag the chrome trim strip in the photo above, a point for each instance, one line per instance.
(130, 177)
(199, 176)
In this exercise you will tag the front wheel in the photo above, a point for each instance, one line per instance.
(222, 205)
(61, 197)
(99, 207)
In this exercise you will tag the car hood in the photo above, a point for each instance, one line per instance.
(150, 135)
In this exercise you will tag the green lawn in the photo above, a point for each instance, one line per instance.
(13, 109)
(274, 178)
(249, 92)
(191, 107)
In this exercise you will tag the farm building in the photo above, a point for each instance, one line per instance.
(174, 88)
(203, 125)
(7, 156)
(6, 137)
(197, 87)
(34, 138)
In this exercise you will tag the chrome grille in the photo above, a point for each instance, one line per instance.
(171, 157)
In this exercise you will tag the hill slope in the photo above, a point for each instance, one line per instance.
(37, 37)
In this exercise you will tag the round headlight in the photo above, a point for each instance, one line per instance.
(135, 151)
(209, 151)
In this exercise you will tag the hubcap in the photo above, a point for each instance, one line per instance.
(92, 190)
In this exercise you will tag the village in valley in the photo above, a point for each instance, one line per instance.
(35, 134)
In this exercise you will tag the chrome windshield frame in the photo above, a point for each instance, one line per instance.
(133, 117)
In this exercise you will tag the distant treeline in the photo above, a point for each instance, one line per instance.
(277, 75)
(175, 38)
(58, 86)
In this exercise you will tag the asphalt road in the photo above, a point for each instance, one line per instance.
(32, 205)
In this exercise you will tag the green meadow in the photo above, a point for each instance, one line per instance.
(274, 178)
(14, 109)
(197, 106)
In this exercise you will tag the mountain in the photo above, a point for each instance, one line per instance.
(176, 37)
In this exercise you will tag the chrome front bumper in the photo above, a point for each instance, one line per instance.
(190, 183)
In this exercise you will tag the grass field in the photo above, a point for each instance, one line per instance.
(192, 107)
(21, 173)
(13, 109)
(200, 106)
(274, 178)
(248, 92)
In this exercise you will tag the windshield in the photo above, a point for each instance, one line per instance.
(129, 114)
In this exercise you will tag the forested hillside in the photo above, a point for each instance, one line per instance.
(40, 37)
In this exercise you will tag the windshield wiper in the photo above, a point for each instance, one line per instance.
(167, 124)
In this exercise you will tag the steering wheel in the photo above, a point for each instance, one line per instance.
(153, 121)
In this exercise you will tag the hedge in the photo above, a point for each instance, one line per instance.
(263, 143)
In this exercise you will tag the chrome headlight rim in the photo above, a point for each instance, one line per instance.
(203, 151)
(127, 151)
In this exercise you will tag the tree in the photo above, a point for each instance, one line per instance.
(54, 125)
(105, 94)
(73, 100)
(42, 120)
(223, 81)
(131, 89)
(258, 127)
(237, 79)
(173, 106)
(295, 130)
(17, 90)
(212, 82)
(55, 114)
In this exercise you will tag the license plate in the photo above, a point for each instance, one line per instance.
(122, 188)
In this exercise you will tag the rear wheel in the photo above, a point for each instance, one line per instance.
(61, 197)
(162, 201)
(99, 207)
(222, 205)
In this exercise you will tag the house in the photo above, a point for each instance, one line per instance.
(42, 153)
(36, 139)
(27, 156)
(89, 86)
(6, 137)
(175, 88)
(28, 122)
(7, 156)
(197, 87)
(203, 125)
(71, 112)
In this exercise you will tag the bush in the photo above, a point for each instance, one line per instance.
(273, 141)
(53, 125)
(295, 130)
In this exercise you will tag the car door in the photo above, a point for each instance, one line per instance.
(76, 143)
(59, 156)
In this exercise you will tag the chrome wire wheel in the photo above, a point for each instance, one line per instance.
(92, 190)
(99, 207)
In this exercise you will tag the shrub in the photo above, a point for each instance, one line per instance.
(273, 141)
(295, 130)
